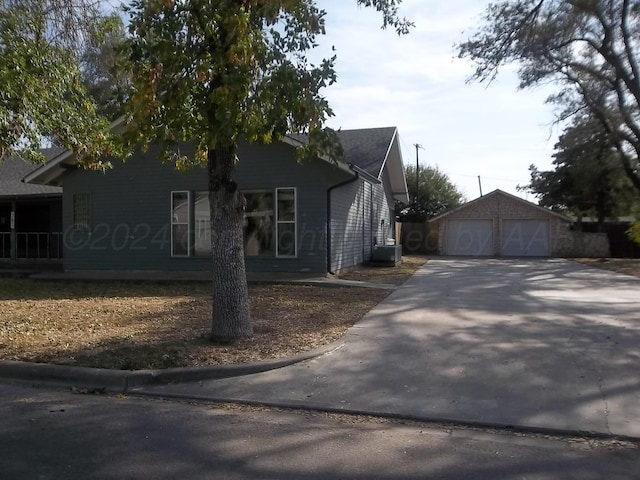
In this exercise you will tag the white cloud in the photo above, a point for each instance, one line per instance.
(415, 83)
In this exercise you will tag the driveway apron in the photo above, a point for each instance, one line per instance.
(547, 344)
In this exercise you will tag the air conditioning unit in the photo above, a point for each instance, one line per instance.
(391, 254)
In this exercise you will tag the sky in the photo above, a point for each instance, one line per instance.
(416, 83)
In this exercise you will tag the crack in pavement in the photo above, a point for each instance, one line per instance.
(599, 379)
(606, 404)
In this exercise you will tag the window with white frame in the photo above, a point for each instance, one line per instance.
(286, 244)
(180, 216)
(269, 223)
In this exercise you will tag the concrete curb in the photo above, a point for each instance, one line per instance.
(446, 421)
(120, 381)
(163, 277)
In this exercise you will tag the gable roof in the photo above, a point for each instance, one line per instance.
(14, 169)
(499, 192)
(375, 150)
(368, 147)
(52, 170)
(369, 150)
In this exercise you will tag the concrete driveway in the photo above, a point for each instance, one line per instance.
(530, 343)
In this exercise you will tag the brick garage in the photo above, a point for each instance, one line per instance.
(503, 225)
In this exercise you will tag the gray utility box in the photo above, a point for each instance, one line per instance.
(391, 254)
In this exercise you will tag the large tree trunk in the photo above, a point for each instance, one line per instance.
(231, 320)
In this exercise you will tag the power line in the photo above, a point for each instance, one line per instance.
(485, 176)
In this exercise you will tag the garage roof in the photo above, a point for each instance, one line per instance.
(499, 192)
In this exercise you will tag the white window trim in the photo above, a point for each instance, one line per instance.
(287, 222)
(181, 223)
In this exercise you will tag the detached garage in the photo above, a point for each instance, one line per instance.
(500, 224)
(470, 237)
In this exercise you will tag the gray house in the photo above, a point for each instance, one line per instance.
(30, 216)
(317, 216)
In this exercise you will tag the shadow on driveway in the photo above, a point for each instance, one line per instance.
(528, 343)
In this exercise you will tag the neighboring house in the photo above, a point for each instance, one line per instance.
(500, 224)
(30, 215)
(315, 216)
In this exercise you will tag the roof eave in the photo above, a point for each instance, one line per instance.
(401, 197)
(49, 173)
(386, 155)
(19, 196)
(342, 165)
(501, 192)
(398, 182)
(365, 175)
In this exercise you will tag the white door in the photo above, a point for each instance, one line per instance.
(470, 237)
(525, 238)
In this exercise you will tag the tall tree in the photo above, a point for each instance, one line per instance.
(588, 178)
(102, 76)
(431, 195)
(42, 94)
(214, 72)
(588, 47)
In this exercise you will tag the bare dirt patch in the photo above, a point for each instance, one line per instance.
(140, 325)
(373, 273)
(627, 266)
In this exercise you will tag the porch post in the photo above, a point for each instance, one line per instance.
(14, 237)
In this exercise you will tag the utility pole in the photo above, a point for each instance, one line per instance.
(415, 199)
(480, 184)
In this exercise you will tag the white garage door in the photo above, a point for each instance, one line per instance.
(525, 238)
(470, 237)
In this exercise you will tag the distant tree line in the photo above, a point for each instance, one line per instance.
(432, 194)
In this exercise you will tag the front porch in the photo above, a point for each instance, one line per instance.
(30, 232)
(30, 246)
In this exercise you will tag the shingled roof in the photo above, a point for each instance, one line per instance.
(365, 148)
(368, 147)
(14, 169)
(372, 150)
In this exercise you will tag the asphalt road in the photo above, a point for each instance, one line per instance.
(49, 434)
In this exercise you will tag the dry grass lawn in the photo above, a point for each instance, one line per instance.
(140, 325)
(383, 274)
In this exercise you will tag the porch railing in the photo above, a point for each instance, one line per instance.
(32, 245)
(5, 245)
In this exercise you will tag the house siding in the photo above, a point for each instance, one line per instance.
(130, 210)
(367, 220)
(347, 234)
(360, 220)
(390, 231)
(384, 213)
